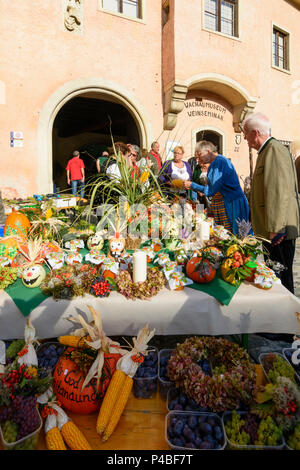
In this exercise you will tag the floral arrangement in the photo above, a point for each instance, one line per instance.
(70, 281)
(8, 276)
(219, 391)
(141, 290)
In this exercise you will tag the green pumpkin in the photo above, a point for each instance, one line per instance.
(33, 276)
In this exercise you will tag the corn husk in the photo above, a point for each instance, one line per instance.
(127, 363)
(30, 357)
(99, 341)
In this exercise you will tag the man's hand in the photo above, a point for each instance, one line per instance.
(278, 240)
(69, 182)
(187, 184)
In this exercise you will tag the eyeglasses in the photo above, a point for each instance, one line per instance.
(133, 155)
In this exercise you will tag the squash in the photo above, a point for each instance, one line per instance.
(33, 276)
(16, 223)
(68, 380)
(200, 270)
(95, 241)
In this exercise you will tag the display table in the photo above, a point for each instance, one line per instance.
(141, 426)
(189, 311)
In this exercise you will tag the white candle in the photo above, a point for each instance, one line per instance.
(139, 261)
(204, 230)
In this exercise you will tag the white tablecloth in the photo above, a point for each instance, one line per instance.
(251, 310)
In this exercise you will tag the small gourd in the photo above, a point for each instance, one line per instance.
(33, 276)
(95, 242)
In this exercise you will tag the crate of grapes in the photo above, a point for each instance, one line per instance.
(246, 431)
(23, 435)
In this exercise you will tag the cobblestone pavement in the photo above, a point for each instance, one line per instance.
(296, 269)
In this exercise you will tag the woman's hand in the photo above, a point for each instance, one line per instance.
(187, 184)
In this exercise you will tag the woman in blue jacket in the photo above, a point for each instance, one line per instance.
(229, 203)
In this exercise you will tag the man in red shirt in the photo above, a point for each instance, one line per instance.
(155, 158)
(75, 174)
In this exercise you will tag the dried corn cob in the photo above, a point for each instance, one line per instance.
(128, 365)
(112, 393)
(74, 341)
(119, 408)
(54, 440)
(74, 437)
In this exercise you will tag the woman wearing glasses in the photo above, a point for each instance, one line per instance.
(175, 172)
(229, 203)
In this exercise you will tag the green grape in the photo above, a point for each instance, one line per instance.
(294, 438)
(281, 368)
(10, 431)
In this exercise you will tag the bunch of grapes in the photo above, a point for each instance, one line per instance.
(234, 430)
(268, 433)
(294, 438)
(278, 367)
(251, 426)
(10, 431)
(21, 415)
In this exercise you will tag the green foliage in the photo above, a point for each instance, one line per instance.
(14, 348)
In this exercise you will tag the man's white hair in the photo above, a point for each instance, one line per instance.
(258, 122)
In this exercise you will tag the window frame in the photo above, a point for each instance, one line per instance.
(236, 19)
(286, 52)
(141, 11)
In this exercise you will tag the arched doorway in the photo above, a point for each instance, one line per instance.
(85, 88)
(212, 134)
(86, 123)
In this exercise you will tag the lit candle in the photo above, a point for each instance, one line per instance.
(204, 230)
(139, 261)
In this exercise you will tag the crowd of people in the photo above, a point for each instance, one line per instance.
(211, 179)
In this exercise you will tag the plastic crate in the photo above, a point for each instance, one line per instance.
(261, 360)
(284, 351)
(163, 385)
(26, 443)
(173, 414)
(226, 417)
(175, 392)
(145, 387)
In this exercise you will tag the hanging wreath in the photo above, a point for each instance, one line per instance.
(232, 380)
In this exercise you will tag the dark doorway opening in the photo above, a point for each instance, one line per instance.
(85, 123)
(211, 136)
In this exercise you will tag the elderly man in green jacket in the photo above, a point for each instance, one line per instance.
(274, 200)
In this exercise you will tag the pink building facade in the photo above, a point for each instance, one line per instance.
(156, 70)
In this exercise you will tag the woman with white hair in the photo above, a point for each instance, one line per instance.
(229, 203)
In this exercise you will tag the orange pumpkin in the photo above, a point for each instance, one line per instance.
(68, 380)
(200, 270)
(16, 223)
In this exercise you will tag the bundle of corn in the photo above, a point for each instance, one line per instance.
(120, 386)
(70, 433)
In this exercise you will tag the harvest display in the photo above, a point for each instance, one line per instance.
(209, 384)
